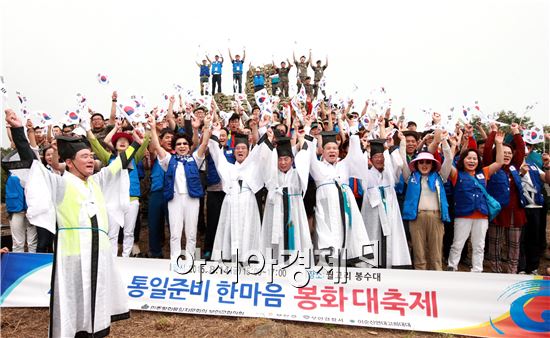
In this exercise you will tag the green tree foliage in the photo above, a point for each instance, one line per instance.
(509, 117)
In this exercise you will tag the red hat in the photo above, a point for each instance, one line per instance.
(425, 156)
(121, 134)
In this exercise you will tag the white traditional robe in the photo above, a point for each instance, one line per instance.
(329, 230)
(239, 224)
(87, 292)
(274, 223)
(381, 213)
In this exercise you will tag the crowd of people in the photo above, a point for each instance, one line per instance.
(279, 75)
(308, 177)
(300, 179)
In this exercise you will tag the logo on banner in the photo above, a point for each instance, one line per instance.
(531, 303)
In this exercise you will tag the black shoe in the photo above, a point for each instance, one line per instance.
(450, 268)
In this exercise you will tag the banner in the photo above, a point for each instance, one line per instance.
(493, 305)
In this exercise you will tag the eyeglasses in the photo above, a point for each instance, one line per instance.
(182, 144)
(424, 161)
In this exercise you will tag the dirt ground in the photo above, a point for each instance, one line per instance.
(24, 322)
(32, 322)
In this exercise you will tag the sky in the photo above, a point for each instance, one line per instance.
(425, 53)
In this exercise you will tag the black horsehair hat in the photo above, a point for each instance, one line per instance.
(68, 146)
(284, 148)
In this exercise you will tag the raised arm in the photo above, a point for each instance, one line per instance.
(112, 115)
(309, 59)
(499, 161)
(18, 137)
(31, 134)
(116, 128)
(447, 160)
(170, 113)
(102, 154)
(480, 129)
(519, 153)
(434, 145)
(205, 136)
(230, 56)
(155, 144)
(488, 148)
(403, 153)
(140, 153)
(195, 125)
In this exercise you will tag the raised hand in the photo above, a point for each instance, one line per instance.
(499, 138)
(514, 127)
(114, 96)
(270, 134)
(137, 135)
(216, 126)
(195, 122)
(12, 119)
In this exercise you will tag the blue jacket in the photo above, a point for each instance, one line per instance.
(205, 70)
(192, 176)
(259, 80)
(15, 195)
(468, 196)
(499, 186)
(414, 189)
(537, 182)
(212, 176)
(400, 187)
(228, 152)
(157, 176)
(237, 67)
(217, 67)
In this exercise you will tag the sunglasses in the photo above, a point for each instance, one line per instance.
(182, 144)
(424, 161)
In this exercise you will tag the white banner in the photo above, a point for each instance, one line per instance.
(499, 305)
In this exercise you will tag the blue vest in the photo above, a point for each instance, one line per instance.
(157, 176)
(400, 187)
(216, 67)
(15, 195)
(259, 80)
(537, 182)
(212, 176)
(228, 152)
(141, 170)
(135, 190)
(499, 186)
(192, 176)
(237, 67)
(468, 196)
(414, 189)
(205, 70)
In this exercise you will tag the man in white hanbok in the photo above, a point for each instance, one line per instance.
(87, 293)
(285, 226)
(238, 233)
(339, 224)
(380, 208)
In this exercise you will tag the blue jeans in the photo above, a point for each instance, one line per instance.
(158, 213)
